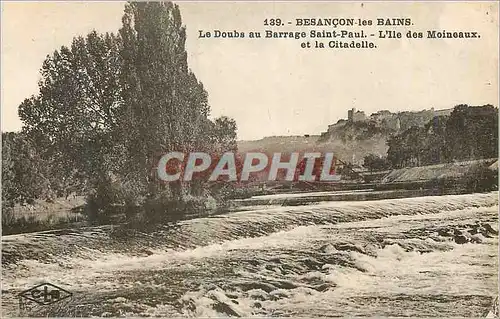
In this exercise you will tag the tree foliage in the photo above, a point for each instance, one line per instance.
(73, 118)
(23, 172)
(375, 163)
(110, 105)
(472, 132)
(468, 133)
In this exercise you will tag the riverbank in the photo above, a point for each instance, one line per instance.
(44, 215)
(446, 179)
(69, 213)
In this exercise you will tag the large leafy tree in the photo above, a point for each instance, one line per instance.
(472, 132)
(110, 105)
(166, 106)
(468, 133)
(73, 118)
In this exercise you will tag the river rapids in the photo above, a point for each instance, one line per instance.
(391, 257)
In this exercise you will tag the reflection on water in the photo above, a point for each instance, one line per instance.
(396, 257)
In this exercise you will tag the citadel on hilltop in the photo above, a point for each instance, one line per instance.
(400, 121)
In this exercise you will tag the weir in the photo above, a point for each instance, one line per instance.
(307, 254)
(245, 262)
(248, 223)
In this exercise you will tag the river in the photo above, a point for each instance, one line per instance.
(391, 257)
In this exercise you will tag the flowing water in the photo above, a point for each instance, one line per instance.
(392, 257)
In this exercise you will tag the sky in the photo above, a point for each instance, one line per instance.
(272, 86)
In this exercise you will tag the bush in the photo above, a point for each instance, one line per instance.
(375, 163)
(114, 201)
(164, 208)
(225, 191)
(481, 179)
(111, 198)
(8, 217)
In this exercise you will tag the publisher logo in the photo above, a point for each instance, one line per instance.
(45, 294)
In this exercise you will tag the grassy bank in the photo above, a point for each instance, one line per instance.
(43, 215)
(84, 211)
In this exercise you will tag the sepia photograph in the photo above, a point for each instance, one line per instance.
(215, 159)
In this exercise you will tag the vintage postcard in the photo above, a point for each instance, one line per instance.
(249, 159)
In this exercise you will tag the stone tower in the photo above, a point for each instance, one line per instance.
(350, 114)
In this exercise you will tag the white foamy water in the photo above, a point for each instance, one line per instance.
(387, 257)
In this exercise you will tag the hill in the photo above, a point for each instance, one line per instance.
(350, 139)
(353, 151)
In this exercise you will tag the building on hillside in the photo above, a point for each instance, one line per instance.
(356, 116)
(445, 112)
(398, 122)
(381, 115)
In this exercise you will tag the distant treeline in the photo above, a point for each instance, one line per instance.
(468, 133)
(108, 106)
